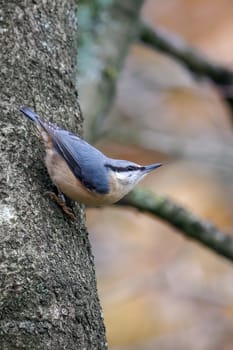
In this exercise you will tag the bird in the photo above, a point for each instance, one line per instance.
(80, 171)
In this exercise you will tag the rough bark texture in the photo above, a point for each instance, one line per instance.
(48, 297)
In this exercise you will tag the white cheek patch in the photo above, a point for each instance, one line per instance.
(128, 178)
(122, 177)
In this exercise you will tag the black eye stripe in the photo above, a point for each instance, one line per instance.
(131, 167)
(123, 169)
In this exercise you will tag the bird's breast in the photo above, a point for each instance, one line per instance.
(71, 186)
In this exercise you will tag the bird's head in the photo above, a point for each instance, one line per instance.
(125, 175)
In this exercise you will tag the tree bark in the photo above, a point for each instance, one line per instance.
(48, 296)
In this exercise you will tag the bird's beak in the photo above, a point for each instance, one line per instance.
(149, 168)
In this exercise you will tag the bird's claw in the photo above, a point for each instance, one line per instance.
(62, 203)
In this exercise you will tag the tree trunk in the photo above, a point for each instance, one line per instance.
(47, 279)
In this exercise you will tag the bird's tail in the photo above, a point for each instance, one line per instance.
(30, 114)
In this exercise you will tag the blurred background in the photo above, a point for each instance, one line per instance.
(159, 290)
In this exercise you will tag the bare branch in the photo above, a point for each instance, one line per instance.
(190, 225)
(194, 60)
(178, 48)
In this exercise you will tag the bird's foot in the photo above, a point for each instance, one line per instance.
(60, 199)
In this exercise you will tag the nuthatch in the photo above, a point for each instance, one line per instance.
(82, 172)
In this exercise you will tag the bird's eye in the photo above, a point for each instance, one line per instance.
(131, 167)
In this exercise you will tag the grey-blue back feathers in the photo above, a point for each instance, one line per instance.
(84, 160)
(30, 114)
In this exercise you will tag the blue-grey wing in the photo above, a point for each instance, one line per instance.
(84, 160)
